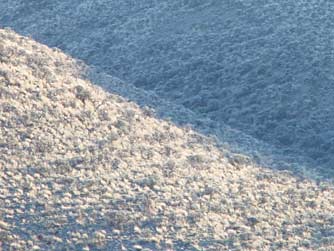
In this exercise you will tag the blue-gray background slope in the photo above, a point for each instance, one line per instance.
(263, 67)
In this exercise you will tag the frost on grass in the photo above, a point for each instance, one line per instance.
(82, 169)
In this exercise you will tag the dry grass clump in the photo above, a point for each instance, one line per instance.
(81, 169)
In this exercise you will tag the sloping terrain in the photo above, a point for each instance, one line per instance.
(234, 142)
(263, 67)
(82, 169)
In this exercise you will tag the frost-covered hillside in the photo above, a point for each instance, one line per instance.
(83, 169)
(264, 67)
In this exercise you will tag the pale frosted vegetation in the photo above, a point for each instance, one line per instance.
(83, 169)
(263, 67)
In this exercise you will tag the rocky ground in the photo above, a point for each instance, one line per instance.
(262, 67)
(83, 169)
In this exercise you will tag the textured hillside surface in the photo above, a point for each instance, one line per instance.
(264, 67)
(233, 141)
(81, 169)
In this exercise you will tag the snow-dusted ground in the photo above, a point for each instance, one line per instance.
(83, 169)
(232, 141)
(263, 67)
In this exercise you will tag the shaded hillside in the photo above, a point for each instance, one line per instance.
(81, 169)
(262, 67)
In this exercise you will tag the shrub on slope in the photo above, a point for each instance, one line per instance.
(81, 169)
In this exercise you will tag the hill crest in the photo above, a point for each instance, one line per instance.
(84, 169)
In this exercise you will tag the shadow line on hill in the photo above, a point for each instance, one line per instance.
(237, 146)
